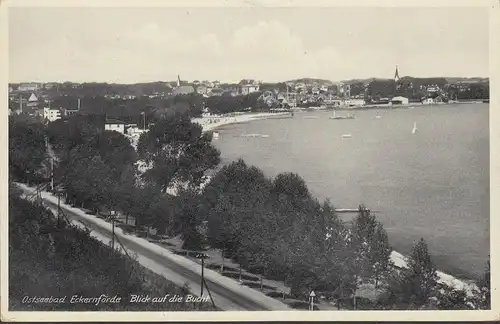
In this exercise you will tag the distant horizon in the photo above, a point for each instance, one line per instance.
(263, 81)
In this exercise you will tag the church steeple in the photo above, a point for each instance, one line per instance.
(178, 80)
(396, 75)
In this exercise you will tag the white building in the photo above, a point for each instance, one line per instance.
(354, 102)
(429, 101)
(51, 114)
(114, 125)
(249, 88)
(133, 130)
(400, 100)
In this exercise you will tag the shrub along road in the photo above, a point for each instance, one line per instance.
(227, 295)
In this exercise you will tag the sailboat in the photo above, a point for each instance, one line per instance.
(414, 130)
(378, 115)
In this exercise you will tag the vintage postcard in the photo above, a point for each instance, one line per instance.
(249, 160)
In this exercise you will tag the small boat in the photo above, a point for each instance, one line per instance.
(346, 135)
(342, 117)
(414, 130)
(378, 115)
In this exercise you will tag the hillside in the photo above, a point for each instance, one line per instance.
(311, 80)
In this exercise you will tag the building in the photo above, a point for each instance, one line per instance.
(32, 101)
(429, 101)
(133, 130)
(315, 91)
(249, 88)
(69, 112)
(399, 100)
(51, 114)
(114, 125)
(203, 90)
(354, 102)
(28, 87)
(182, 89)
(215, 92)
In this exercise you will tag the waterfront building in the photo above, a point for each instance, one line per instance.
(429, 101)
(399, 100)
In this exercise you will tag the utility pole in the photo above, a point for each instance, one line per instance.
(113, 232)
(202, 273)
(52, 174)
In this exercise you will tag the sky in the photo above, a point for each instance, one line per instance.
(129, 45)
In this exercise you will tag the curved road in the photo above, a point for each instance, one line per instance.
(224, 298)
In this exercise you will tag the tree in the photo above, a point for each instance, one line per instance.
(484, 284)
(380, 254)
(422, 273)
(26, 148)
(453, 299)
(235, 196)
(414, 287)
(179, 151)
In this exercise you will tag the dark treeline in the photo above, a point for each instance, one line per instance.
(273, 227)
(129, 110)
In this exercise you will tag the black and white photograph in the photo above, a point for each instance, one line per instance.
(265, 160)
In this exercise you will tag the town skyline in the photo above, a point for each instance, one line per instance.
(142, 45)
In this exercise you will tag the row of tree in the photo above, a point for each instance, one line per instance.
(274, 227)
(53, 258)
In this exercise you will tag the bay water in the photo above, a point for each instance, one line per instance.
(433, 183)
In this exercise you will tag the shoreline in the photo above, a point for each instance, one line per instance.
(397, 258)
(212, 123)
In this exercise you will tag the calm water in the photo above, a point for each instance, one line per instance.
(433, 184)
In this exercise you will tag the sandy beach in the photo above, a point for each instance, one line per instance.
(213, 122)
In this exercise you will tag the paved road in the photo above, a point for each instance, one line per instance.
(224, 298)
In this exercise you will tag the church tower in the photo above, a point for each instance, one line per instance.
(396, 75)
(178, 80)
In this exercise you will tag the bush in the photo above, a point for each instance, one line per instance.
(217, 267)
(257, 285)
(277, 294)
(301, 305)
(237, 276)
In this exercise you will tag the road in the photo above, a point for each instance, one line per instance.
(224, 298)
